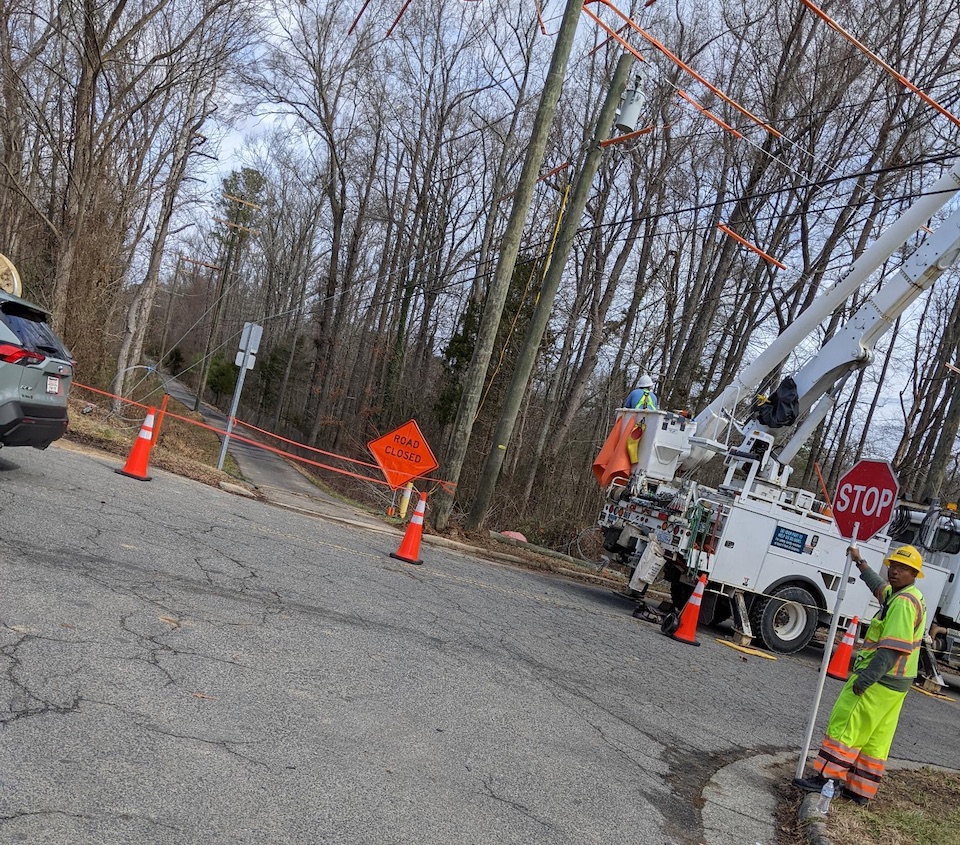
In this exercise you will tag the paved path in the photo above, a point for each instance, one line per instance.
(276, 477)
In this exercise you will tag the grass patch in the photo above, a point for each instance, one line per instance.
(913, 807)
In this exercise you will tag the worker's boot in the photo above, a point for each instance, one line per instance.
(862, 800)
(811, 784)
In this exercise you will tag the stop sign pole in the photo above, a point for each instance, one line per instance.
(866, 496)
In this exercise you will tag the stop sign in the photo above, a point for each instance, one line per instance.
(865, 498)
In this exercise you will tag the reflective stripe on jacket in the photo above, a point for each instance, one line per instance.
(648, 402)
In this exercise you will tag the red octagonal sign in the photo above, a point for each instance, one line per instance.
(865, 498)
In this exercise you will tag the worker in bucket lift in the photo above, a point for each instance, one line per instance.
(864, 719)
(642, 398)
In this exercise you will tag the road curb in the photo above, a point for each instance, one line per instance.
(456, 545)
(541, 550)
(582, 568)
(741, 797)
(342, 520)
(814, 828)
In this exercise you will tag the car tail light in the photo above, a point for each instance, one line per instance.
(18, 355)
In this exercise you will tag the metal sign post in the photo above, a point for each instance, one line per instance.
(825, 662)
(864, 503)
(246, 358)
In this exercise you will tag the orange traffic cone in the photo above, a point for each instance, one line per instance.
(409, 550)
(136, 466)
(686, 630)
(839, 667)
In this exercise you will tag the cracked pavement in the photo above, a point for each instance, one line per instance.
(179, 664)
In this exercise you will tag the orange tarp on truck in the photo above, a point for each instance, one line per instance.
(613, 460)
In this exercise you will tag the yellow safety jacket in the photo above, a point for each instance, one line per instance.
(898, 626)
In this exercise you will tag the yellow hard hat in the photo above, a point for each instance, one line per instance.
(908, 556)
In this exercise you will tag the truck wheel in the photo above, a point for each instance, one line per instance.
(786, 622)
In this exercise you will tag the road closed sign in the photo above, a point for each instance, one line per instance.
(403, 454)
(865, 499)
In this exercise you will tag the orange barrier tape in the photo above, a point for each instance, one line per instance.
(448, 486)
(302, 445)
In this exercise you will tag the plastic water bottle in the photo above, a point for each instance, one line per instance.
(826, 795)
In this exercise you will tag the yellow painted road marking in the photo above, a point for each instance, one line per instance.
(746, 650)
(933, 694)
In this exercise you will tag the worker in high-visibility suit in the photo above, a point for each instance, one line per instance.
(864, 719)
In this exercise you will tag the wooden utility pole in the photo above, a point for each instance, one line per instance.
(174, 288)
(548, 293)
(509, 248)
(233, 224)
(217, 314)
(166, 317)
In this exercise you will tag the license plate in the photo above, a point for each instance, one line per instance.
(53, 384)
(665, 537)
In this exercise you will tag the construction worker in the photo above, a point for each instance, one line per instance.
(642, 398)
(864, 719)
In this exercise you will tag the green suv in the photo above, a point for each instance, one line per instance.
(35, 373)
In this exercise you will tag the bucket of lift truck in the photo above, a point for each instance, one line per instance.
(645, 442)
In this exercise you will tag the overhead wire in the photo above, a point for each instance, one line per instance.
(473, 276)
(799, 148)
(688, 209)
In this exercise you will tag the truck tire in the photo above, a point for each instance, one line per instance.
(785, 622)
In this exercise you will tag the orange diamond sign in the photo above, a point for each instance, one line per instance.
(403, 454)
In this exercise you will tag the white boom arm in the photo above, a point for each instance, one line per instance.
(851, 348)
(712, 420)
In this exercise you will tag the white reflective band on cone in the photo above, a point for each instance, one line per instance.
(419, 511)
(145, 430)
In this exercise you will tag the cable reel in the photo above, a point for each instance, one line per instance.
(10, 281)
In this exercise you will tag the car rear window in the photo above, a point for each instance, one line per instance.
(31, 328)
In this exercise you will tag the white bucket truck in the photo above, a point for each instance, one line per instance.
(772, 554)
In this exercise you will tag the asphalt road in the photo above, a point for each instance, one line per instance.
(178, 664)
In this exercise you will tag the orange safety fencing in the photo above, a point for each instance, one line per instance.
(448, 486)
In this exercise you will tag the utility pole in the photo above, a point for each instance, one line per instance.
(217, 312)
(548, 293)
(166, 318)
(509, 248)
(233, 224)
(174, 287)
